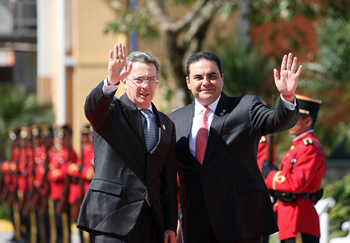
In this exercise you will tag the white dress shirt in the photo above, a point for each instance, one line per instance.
(198, 113)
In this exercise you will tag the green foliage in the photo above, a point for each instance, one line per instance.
(18, 110)
(328, 79)
(4, 212)
(246, 70)
(340, 191)
(138, 20)
(275, 10)
(334, 49)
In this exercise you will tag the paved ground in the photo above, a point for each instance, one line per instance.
(6, 232)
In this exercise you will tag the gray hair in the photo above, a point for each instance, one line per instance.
(144, 57)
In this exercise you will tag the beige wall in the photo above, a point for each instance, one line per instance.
(90, 52)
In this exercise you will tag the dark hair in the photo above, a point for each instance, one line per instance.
(313, 118)
(144, 57)
(203, 55)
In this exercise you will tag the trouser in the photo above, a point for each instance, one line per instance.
(213, 239)
(143, 231)
(60, 224)
(302, 238)
(25, 227)
(15, 219)
(43, 223)
(85, 237)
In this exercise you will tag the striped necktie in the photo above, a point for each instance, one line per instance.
(149, 129)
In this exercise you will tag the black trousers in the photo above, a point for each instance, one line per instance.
(213, 239)
(143, 231)
(63, 230)
(305, 237)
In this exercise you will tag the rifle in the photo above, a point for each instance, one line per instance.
(62, 205)
(34, 203)
(270, 140)
(270, 143)
(30, 178)
(3, 187)
(76, 206)
(46, 184)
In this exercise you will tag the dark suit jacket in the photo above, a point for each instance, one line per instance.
(228, 191)
(124, 169)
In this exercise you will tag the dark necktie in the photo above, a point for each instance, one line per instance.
(149, 129)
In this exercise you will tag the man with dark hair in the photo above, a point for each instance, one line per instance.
(297, 183)
(132, 197)
(223, 196)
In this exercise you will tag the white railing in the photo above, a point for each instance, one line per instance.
(345, 227)
(322, 208)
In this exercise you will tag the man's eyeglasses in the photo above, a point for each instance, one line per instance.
(140, 81)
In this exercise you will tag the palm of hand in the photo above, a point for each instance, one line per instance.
(287, 82)
(117, 69)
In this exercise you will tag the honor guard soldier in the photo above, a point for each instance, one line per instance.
(9, 187)
(87, 170)
(87, 156)
(25, 184)
(297, 183)
(41, 185)
(59, 183)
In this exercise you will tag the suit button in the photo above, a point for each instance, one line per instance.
(143, 191)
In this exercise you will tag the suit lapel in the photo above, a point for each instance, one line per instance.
(185, 119)
(133, 116)
(220, 115)
(186, 124)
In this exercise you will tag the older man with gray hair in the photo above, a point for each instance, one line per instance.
(132, 197)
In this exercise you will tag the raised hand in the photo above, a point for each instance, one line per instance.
(286, 82)
(117, 67)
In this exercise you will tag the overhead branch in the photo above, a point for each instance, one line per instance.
(158, 12)
(200, 20)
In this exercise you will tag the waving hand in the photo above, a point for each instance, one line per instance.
(117, 67)
(286, 81)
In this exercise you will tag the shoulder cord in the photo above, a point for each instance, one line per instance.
(292, 162)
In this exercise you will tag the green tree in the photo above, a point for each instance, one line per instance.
(329, 79)
(247, 71)
(18, 110)
(181, 37)
(340, 191)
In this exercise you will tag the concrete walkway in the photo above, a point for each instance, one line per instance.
(6, 232)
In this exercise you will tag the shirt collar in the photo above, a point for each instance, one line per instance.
(198, 107)
(303, 134)
(149, 108)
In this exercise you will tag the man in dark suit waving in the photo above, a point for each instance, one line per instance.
(223, 196)
(132, 197)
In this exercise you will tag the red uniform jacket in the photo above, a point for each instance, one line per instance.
(73, 170)
(306, 176)
(10, 170)
(88, 168)
(5, 169)
(40, 157)
(25, 166)
(58, 171)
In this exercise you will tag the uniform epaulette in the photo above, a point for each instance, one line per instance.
(262, 139)
(308, 141)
